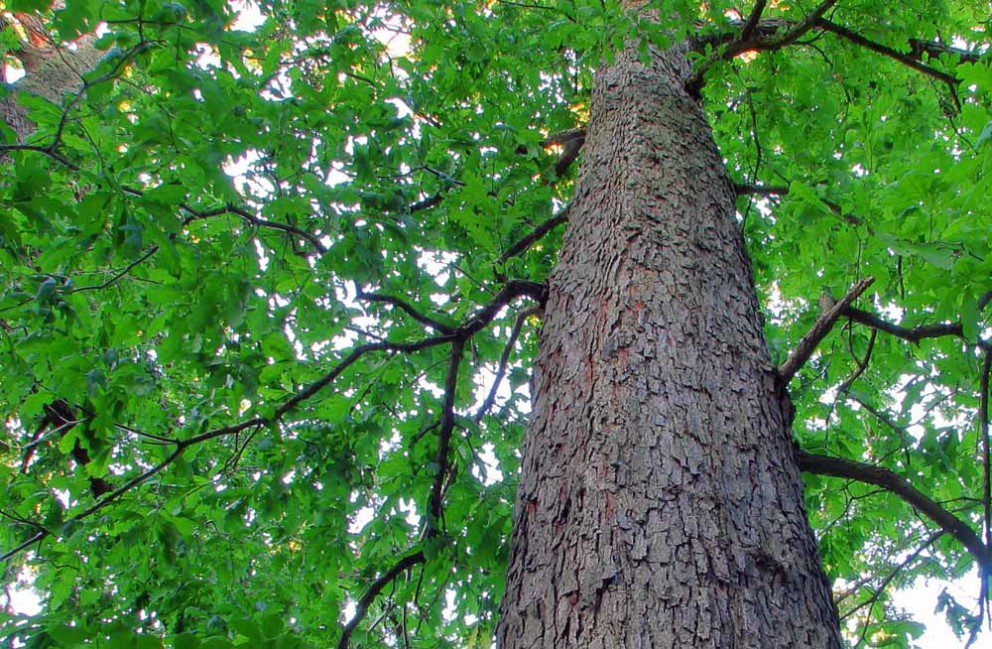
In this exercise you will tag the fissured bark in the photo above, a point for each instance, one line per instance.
(660, 503)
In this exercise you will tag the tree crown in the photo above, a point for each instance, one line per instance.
(272, 274)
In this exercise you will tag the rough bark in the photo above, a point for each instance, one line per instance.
(51, 70)
(660, 503)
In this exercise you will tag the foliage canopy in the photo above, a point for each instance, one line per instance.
(258, 278)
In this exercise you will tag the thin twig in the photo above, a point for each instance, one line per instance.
(862, 366)
(404, 306)
(877, 592)
(503, 360)
(118, 275)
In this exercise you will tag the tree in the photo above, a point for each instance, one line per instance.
(272, 293)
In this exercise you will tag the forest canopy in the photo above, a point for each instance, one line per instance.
(271, 278)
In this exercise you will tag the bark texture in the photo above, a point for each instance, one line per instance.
(660, 503)
(51, 70)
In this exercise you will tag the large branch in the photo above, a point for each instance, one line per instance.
(912, 334)
(784, 33)
(752, 20)
(768, 35)
(485, 314)
(442, 460)
(901, 487)
(818, 332)
(913, 61)
(570, 142)
(797, 30)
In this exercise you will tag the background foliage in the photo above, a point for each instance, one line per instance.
(202, 232)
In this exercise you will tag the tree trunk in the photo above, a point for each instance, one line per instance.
(660, 503)
(50, 71)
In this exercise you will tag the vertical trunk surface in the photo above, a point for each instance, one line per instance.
(660, 503)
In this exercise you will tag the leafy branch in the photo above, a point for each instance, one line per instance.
(386, 578)
(901, 487)
(503, 361)
(762, 36)
(512, 289)
(746, 41)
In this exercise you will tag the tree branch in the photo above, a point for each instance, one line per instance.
(913, 62)
(444, 439)
(763, 36)
(983, 431)
(447, 426)
(503, 360)
(534, 235)
(877, 593)
(245, 214)
(932, 48)
(901, 487)
(183, 444)
(748, 189)
(118, 275)
(362, 608)
(512, 289)
(744, 41)
(912, 334)
(797, 30)
(426, 203)
(570, 141)
(193, 213)
(818, 332)
(404, 306)
(752, 20)
(862, 366)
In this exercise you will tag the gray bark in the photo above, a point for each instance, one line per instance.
(660, 503)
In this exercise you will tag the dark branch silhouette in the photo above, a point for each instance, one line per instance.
(818, 332)
(901, 487)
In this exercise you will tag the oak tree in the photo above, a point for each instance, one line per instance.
(422, 324)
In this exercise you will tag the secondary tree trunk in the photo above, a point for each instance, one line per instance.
(50, 71)
(660, 503)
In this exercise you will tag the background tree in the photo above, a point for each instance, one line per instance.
(275, 277)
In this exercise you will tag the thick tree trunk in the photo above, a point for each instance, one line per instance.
(660, 503)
